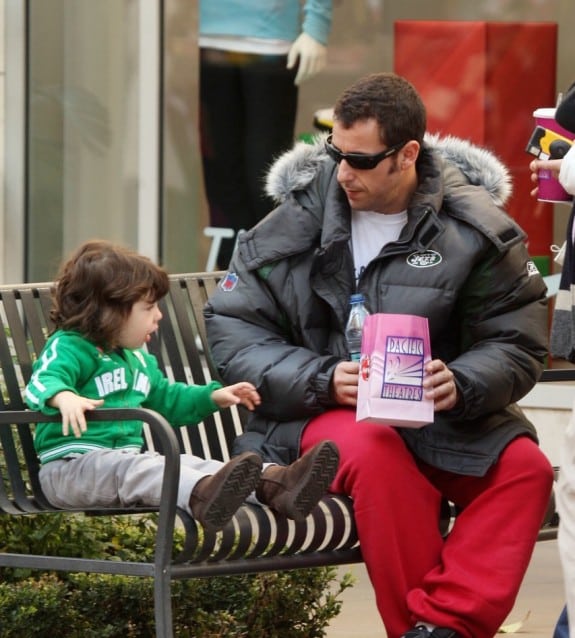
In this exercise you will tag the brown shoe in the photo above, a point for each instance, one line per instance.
(215, 499)
(294, 490)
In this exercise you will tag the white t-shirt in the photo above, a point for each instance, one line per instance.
(258, 46)
(370, 232)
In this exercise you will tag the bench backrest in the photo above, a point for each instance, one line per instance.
(179, 346)
(24, 324)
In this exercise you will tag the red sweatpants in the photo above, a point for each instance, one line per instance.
(468, 581)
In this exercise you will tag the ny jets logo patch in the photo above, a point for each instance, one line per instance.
(424, 259)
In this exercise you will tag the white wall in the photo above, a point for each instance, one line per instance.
(549, 406)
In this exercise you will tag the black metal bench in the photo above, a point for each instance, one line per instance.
(256, 540)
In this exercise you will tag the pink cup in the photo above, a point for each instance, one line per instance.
(549, 188)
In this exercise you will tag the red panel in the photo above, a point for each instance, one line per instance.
(446, 62)
(482, 81)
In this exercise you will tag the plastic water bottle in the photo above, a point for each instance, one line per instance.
(357, 314)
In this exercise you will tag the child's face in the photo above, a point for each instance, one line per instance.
(141, 323)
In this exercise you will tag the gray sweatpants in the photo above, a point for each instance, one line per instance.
(119, 478)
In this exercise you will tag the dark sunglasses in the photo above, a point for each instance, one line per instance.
(360, 161)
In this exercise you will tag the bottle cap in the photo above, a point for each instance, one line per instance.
(356, 298)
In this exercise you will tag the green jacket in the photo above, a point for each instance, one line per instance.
(123, 378)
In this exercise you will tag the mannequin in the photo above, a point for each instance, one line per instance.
(254, 55)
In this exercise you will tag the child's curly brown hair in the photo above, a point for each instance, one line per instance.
(97, 287)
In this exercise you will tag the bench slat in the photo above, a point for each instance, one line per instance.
(198, 287)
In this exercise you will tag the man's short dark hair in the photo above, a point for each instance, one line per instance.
(389, 99)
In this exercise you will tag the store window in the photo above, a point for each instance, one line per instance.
(84, 129)
(111, 114)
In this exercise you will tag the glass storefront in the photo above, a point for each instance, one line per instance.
(111, 117)
(84, 126)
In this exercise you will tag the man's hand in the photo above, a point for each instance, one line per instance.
(439, 385)
(243, 392)
(344, 383)
(72, 408)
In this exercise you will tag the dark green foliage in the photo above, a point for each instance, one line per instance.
(32, 605)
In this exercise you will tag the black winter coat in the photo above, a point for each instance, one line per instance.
(278, 320)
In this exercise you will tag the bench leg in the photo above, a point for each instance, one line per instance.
(163, 605)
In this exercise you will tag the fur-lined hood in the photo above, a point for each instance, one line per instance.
(296, 168)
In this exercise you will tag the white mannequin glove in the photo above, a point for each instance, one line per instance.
(312, 57)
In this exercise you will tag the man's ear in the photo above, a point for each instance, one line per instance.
(409, 154)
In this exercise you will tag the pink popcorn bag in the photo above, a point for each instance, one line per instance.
(394, 350)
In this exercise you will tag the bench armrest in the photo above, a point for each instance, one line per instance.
(169, 447)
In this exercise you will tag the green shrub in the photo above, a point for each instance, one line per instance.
(77, 535)
(297, 603)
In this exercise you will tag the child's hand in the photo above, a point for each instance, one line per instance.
(243, 392)
(72, 408)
